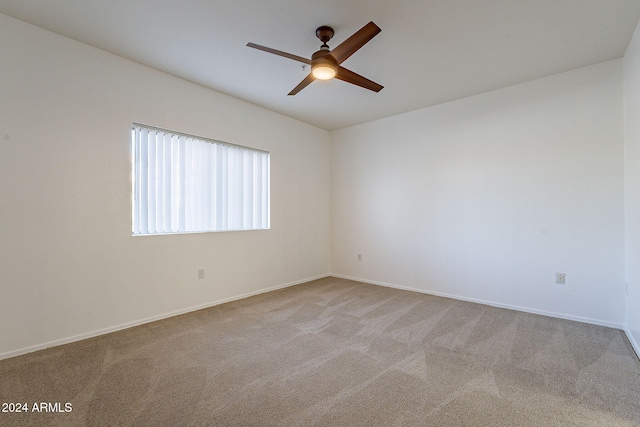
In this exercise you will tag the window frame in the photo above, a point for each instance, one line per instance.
(236, 184)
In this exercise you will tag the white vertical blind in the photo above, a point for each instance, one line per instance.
(184, 184)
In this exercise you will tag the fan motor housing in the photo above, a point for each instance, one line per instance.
(321, 54)
(322, 60)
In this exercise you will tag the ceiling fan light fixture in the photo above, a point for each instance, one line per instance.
(324, 71)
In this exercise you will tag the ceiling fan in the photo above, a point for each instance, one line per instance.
(325, 63)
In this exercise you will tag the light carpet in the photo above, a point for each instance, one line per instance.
(334, 352)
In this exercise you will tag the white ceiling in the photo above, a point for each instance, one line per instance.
(429, 51)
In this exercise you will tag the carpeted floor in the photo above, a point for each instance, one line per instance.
(334, 352)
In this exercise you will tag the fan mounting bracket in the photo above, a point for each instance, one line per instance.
(324, 33)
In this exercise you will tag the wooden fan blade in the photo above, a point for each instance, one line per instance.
(304, 83)
(355, 42)
(279, 52)
(356, 79)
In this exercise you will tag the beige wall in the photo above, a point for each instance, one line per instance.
(488, 197)
(69, 267)
(632, 185)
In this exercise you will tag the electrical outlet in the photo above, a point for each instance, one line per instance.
(561, 278)
(201, 273)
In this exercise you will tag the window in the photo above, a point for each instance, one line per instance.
(186, 184)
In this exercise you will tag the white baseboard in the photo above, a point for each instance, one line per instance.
(491, 303)
(632, 340)
(92, 334)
